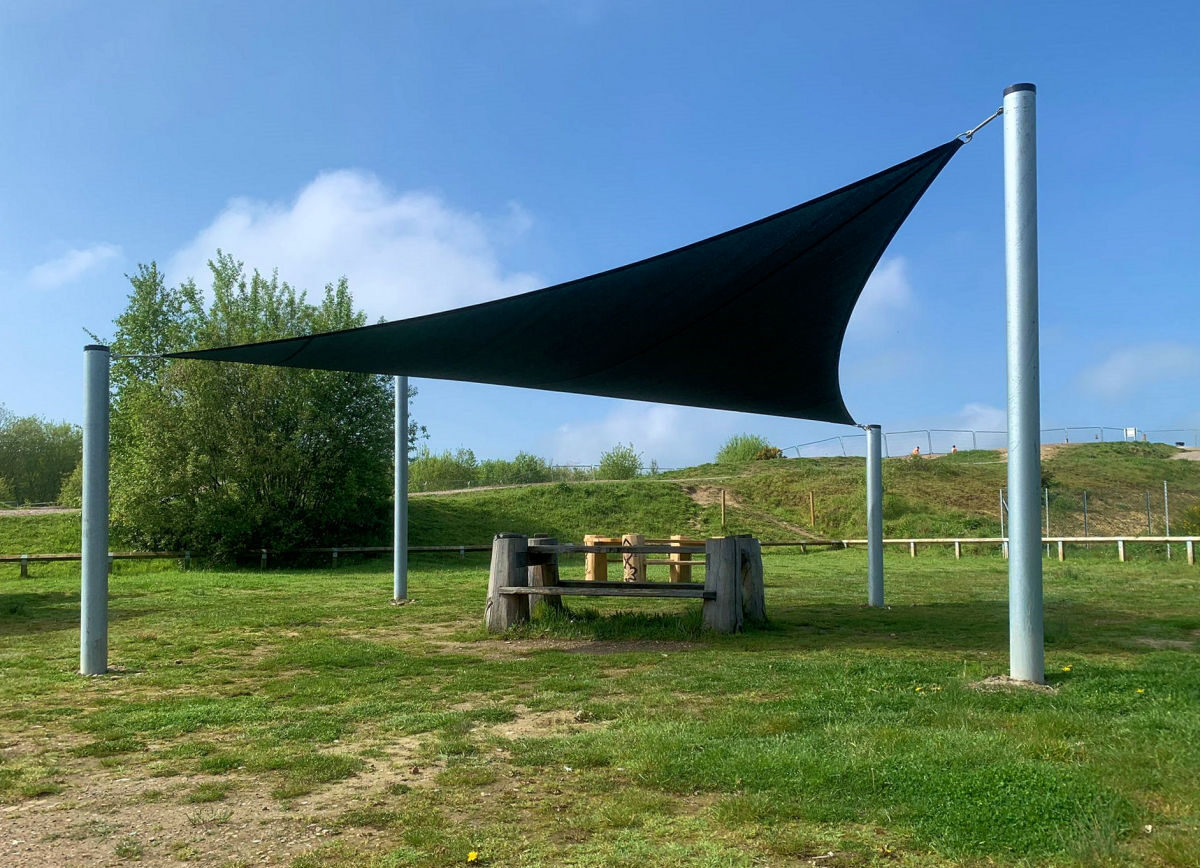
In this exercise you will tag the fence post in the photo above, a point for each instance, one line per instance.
(957, 550)
(187, 560)
(1062, 554)
(1121, 550)
(262, 561)
(335, 558)
(24, 566)
(510, 562)
(1191, 553)
(912, 548)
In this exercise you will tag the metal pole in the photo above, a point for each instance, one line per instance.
(1149, 530)
(874, 517)
(1025, 617)
(400, 494)
(1167, 516)
(93, 603)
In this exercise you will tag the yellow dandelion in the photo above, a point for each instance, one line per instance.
(918, 690)
(1141, 690)
(472, 856)
(1066, 669)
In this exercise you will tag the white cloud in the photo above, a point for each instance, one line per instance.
(404, 253)
(675, 436)
(1127, 369)
(888, 293)
(982, 417)
(72, 265)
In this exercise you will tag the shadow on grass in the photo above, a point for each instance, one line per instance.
(969, 626)
(48, 611)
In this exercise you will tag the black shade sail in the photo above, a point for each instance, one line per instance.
(751, 320)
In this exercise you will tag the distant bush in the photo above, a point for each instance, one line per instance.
(522, 470)
(745, 447)
(430, 472)
(6, 493)
(71, 493)
(36, 455)
(767, 453)
(620, 462)
(1189, 524)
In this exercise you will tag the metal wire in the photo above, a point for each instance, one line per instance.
(969, 134)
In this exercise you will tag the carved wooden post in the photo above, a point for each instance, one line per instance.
(681, 570)
(722, 577)
(510, 555)
(754, 604)
(543, 570)
(635, 564)
(595, 567)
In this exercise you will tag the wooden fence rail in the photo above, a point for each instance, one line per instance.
(1060, 542)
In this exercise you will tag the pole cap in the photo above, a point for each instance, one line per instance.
(95, 347)
(1024, 85)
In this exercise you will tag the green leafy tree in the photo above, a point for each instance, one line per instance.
(745, 447)
(71, 491)
(7, 497)
(620, 462)
(225, 457)
(36, 455)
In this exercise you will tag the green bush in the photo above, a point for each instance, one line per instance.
(430, 472)
(744, 447)
(36, 455)
(522, 470)
(71, 493)
(620, 462)
(7, 497)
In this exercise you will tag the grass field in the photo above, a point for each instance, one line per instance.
(296, 717)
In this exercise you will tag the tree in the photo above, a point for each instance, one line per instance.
(620, 462)
(36, 455)
(225, 457)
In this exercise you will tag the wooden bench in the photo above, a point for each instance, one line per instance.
(523, 568)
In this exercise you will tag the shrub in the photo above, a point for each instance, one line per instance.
(71, 493)
(7, 497)
(430, 472)
(620, 462)
(742, 447)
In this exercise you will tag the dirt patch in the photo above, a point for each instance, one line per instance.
(1165, 644)
(710, 495)
(1004, 682)
(105, 819)
(1187, 454)
(39, 510)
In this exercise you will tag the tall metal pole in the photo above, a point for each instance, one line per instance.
(1025, 624)
(874, 517)
(93, 603)
(400, 494)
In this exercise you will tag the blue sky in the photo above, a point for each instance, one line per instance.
(441, 153)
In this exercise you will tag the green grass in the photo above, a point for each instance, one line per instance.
(43, 534)
(620, 734)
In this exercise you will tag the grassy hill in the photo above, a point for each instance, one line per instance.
(951, 495)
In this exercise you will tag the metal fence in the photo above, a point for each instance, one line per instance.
(941, 441)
